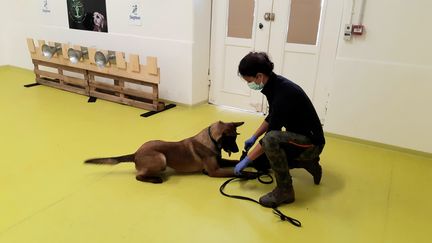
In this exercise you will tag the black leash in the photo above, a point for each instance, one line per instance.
(257, 175)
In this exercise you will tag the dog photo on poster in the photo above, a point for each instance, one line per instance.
(87, 15)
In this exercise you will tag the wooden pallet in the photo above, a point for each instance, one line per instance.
(119, 91)
(123, 73)
(59, 80)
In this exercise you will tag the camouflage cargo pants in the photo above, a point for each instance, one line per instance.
(286, 150)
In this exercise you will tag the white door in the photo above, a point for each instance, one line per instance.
(236, 32)
(292, 39)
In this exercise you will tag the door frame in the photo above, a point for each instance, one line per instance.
(329, 35)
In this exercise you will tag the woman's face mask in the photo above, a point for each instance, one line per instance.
(253, 83)
(255, 86)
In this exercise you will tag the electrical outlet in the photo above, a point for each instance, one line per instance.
(348, 32)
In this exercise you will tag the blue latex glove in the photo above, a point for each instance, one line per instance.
(250, 142)
(241, 165)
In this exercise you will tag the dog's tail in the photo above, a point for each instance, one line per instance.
(111, 160)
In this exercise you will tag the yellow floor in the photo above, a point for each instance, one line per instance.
(368, 194)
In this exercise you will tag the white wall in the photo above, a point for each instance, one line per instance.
(383, 80)
(3, 32)
(167, 32)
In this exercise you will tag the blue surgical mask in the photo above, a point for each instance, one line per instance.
(255, 86)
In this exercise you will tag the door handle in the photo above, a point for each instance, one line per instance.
(269, 16)
(260, 26)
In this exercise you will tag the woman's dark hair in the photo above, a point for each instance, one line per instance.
(255, 62)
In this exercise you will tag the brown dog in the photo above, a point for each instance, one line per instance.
(194, 154)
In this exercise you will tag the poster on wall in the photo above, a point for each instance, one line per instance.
(87, 15)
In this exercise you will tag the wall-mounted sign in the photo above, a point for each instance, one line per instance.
(134, 13)
(45, 7)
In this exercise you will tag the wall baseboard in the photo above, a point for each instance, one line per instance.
(16, 67)
(381, 145)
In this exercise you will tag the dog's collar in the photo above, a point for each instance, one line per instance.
(212, 139)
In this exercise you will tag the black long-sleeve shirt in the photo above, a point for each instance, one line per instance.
(291, 108)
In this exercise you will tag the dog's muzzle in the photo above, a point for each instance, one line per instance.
(229, 144)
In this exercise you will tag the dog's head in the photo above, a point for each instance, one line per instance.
(225, 134)
(98, 21)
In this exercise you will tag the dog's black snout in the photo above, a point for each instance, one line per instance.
(229, 144)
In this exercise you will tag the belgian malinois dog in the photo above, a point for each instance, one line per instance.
(201, 152)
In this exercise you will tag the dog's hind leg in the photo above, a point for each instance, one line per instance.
(147, 178)
(149, 168)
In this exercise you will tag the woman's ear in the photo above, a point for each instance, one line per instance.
(260, 77)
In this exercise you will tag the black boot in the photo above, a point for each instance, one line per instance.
(283, 193)
(314, 168)
(279, 195)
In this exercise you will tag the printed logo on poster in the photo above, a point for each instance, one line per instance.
(77, 11)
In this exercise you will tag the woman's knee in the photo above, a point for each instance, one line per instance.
(270, 140)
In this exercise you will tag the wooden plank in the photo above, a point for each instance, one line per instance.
(91, 79)
(142, 105)
(41, 43)
(48, 74)
(52, 65)
(104, 96)
(116, 84)
(91, 55)
(122, 90)
(65, 48)
(138, 104)
(152, 65)
(134, 63)
(75, 81)
(36, 68)
(87, 80)
(39, 49)
(67, 79)
(121, 85)
(120, 60)
(161, 106)
(124, 78)
(139, 93)
(105, 86)
(126, 101)
(55, 65)
(60, 71)
(155, 94)
(63, 87)
(31, 45)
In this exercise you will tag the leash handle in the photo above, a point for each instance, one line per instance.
(283, 217)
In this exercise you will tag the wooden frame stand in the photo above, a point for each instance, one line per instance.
(130, 82)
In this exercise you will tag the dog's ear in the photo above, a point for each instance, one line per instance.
(237, 124)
